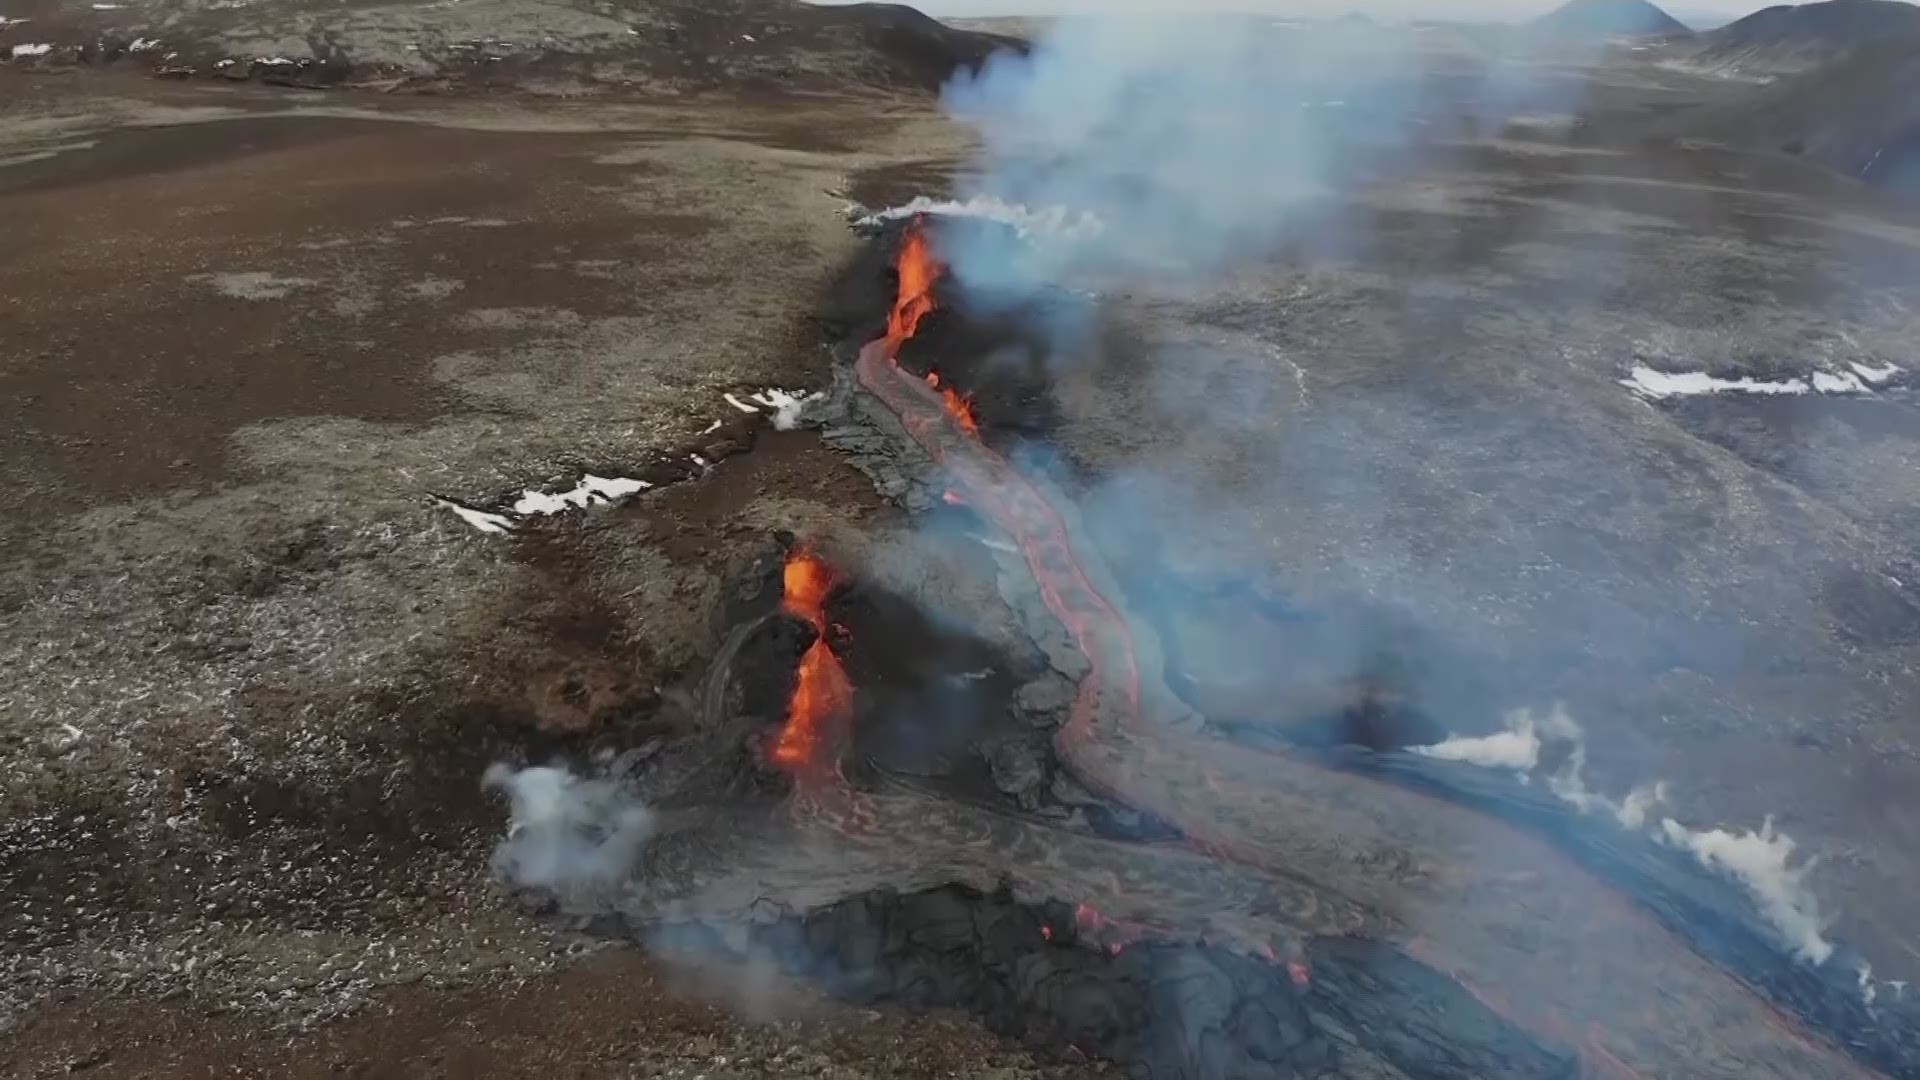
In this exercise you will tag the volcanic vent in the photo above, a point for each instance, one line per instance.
(964, 776)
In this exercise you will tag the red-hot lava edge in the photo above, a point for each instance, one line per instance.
(1108, 744)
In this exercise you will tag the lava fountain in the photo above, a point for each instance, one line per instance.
(822, 696)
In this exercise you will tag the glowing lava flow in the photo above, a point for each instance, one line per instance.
(821, 692)
(1107, 746)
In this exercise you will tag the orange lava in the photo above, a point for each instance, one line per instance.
(1119, 933)
(821, 692)
(918, 271)
(958, 406)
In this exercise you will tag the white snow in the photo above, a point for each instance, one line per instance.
(1656, 385)
(1052, 223)
(31, 50)
(143, 44)
(479, 519)
(6, 22)
(1844, 383)
(787, 406)
(1648, 382)
(108, 7)
(589, 490)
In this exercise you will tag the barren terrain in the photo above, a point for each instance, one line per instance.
(267, 355)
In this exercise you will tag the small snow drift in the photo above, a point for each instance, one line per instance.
(1656, 385)
(1599, 19)
(569, 838)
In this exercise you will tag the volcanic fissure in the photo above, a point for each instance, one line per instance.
(1126, 880)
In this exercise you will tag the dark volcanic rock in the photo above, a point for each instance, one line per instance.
(1609, 18)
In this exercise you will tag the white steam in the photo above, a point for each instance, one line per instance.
(573, 838)
(1054, 223)
(1762, 862)
(1517, 748)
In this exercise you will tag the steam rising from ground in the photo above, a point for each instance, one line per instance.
(1049, 223)
(568, 837)
(1761, 861)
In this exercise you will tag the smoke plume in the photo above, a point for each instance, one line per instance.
(1554, 748)
(1761, 861)
(1516, 748)
(571, 838)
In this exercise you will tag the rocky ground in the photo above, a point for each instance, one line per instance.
(254, 668)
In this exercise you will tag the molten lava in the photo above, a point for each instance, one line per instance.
(821, 692)
(958, 405)
(918, 270)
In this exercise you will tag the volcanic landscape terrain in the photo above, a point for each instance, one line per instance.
(652, 539)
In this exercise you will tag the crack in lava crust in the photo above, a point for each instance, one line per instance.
(1492, 904)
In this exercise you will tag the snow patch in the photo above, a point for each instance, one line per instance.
(590, 490)
(31, 50)
(1875, 375)
(143, 44)
(1656, 385)
(787, 406)
(1051, 223)
(1650, 383)
(483, 520)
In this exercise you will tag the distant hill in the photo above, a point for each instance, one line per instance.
(561, 46)
(1788, 39)
(1600, 19)
(1860, 116)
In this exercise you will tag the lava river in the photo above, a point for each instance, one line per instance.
(1530, 932)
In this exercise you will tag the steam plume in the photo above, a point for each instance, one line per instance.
(574, 838)
(1761, 862)
(1516, 748)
